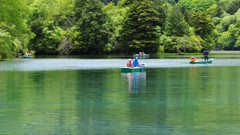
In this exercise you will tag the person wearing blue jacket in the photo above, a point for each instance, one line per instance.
(136, 63)
(205, 53)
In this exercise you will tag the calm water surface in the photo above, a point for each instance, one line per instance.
(92, 97)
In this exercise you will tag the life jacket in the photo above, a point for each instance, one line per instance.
(129, 64)
(193, 59)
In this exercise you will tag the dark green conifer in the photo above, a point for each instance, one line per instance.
(92, 36)
(140, 30)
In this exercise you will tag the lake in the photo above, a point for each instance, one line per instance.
(74, 96)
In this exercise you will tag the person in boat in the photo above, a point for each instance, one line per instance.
(129, 63)
(205, 53)
(135, 62)
(193, 59)
(27, 54)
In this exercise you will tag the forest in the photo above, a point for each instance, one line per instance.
(78, 27)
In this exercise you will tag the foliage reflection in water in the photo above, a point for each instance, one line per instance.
(190, 100)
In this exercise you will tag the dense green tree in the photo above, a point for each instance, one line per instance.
(179, 36)
(14, 32)
(37, 19)
(175, 44)
(196, 5)
(78, 8)
(238, 18)
(110, 1)
(49, 22)
(176, 24)
(41, 26)
(227, 31)
(92, 36)
(127, 2)
(98, 26)
(162, 8)
(6, 44)
(219, 10)
(64, 21)
(115, 17)
(140, 30)
(203, 25)
(232, 6)
(225, 22)
(230, 39)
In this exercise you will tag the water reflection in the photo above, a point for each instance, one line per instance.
(136, 81)
(179, 101)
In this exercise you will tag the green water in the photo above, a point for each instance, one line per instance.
(193, 100)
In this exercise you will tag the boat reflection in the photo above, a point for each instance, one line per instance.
(136, 81)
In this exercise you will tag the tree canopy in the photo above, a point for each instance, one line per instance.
(140, 30)
(14, 31)
(117, 26)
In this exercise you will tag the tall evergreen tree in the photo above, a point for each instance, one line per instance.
(92, 35)
(140, 30)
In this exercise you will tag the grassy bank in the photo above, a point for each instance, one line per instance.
(212, 54)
